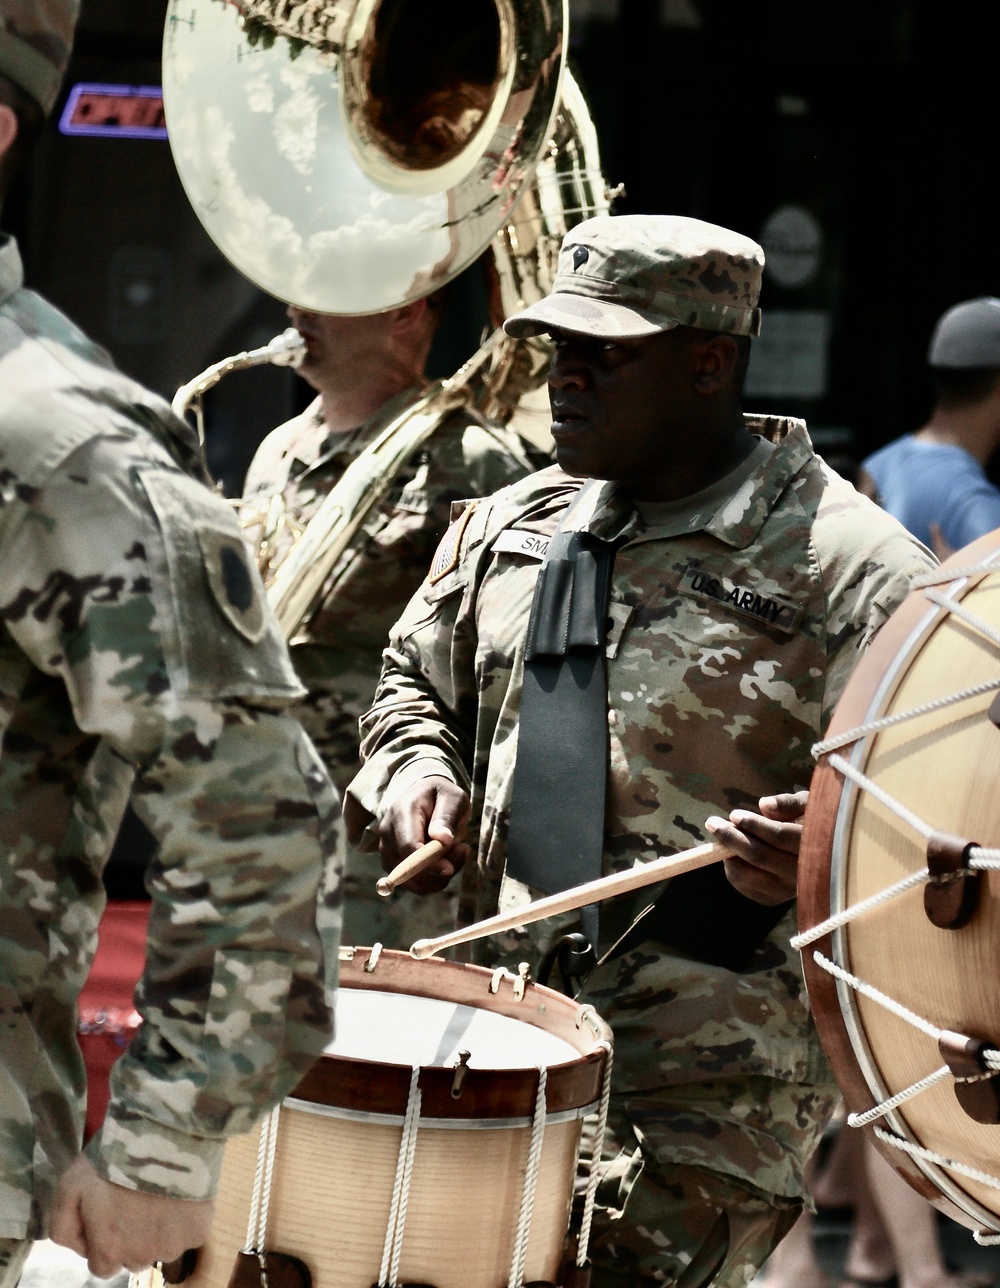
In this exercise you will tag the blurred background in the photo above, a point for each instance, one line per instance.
(849, 139)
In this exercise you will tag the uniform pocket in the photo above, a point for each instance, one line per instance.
(219, 637)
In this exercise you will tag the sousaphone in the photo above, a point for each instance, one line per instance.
(348, 156)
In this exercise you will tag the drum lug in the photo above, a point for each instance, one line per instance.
(952, 890)
(461, 1073)
(373, 957)
(587, 1015)
(521, 980)
(976, 1086)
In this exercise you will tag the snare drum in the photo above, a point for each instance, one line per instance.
(900, 918)
(435, 1143)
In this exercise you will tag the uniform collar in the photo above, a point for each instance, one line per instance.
(734, 514)
(11, 268)
(315, 448)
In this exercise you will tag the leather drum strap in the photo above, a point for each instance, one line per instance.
(556, 834)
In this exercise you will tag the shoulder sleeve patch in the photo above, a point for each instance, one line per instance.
(230, 581)
(447, 555)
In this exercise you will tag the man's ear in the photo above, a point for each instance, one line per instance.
(717, 358)
(410, 317)
(8, 128)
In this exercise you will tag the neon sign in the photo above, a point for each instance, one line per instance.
(114, 111)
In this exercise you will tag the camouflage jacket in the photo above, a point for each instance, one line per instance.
(136, 654)
(338, 652)
(733, 622)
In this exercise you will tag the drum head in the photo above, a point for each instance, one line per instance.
(435, 1015)
(940, 770)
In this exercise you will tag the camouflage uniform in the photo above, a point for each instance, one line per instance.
(338, 651)
(734, 619)
(136, 654)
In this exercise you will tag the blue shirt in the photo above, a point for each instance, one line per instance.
(922, 483)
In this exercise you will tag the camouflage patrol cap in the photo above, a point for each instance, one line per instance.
(36, 37)
(622, 276)
(967, 335)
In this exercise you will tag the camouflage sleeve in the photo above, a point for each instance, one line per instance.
(422, 718)
(862, 594)
(137, 593)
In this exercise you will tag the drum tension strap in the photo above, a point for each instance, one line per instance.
(556, 834)
(952, 888)
(979, 1094)
(180, 1269)
(269, 1270)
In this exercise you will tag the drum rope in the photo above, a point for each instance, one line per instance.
(886, 722)
(404, 1197)
(990, 1057)
(874, 995)
(389, 1270)
(593, 1176)
(938, 576)
(951, 1164)
(887, 1106)
(260, 1199)
(959, 610)
(516, 1279)
(894, 806)
(859, 909)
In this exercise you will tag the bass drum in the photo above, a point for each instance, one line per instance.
(899, 896)
(435, 1143)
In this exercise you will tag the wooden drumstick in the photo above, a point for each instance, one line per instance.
(409, 868)
(643, 874)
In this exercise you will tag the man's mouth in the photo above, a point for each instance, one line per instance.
(311, 342)
(566, 419)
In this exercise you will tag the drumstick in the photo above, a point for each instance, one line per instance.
(643, 874)
(409, 868)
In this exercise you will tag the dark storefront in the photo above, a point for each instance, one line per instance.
(851, 139)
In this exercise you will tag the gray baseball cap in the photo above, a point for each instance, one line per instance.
(36, 38)
(967, 335)
(622, 276)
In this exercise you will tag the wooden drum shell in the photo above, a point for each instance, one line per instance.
(944, 767)
(334, 1171)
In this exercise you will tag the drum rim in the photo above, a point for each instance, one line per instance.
(870, 687)
(355, 1084)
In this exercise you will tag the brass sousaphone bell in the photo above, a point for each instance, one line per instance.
(348, 156)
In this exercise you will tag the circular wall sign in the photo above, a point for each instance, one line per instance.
(793, 243)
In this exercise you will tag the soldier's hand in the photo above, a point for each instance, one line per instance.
(431, 809)
(764, 858)
(114, 1227)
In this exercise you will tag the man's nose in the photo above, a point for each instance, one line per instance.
(568, 369)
